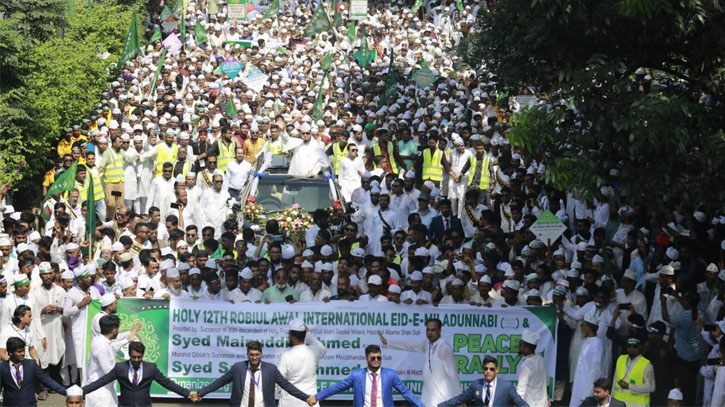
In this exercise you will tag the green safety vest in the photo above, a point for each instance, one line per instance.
(432, 167)
(636, 377)
(485, 173)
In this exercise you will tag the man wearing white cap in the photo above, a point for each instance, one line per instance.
(667, 287)
(75, 309)
(245, 292)
(48, 299)
(416, 295)
(674, 398)
(173, 287)
(455, 293)
(74, 397)
(440, 375)
(109, 305)
(589, 364)
(299, 364)
(375, 284)
(309, 158)
(533, 376)
(162, 188)
(457, 166)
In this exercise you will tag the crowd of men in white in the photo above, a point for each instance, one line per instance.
(440, 211)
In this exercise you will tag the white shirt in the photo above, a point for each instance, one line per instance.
(253, 295)
(588, 369)
(367, 297)
(146, 283)
(257, 382)
(101, 360)
(440, 375)
(492, 391)
(299, 366)
(14, 372)
(238, 173)
(131, 370)
(11, 331)
(420, 295)
(718, 394)
(309, 296)
(369, 389)
(532, 382)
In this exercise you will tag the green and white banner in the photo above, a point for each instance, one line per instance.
(195, 342)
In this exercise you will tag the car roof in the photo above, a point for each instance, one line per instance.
(267, 178)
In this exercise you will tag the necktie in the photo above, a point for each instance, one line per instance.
(252, 385)
(374, 391)
(18, 374)
(487, 402)
(135, 377)
(448, 225)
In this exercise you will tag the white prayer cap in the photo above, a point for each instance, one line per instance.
(71, 246)
(34, 236)
(358, 252)
(630, 275)
(44, 268)
(125, 282)
(422, 251)
(254, 126)
(506, 268)
(675, 394)
(576, 264)
(456, 282)
(77, 272)
(457, 141)
(485, 279)
(375, 280)
(712, 268)
(117, 247)
(591, 318)
(375, 190)
(326, 267)
(721, 275)
(428, 270)
(512, 284)
(597, 259)
(193, 271)
(308, 252)
(74, 391)
(297, 325)
(165, 251)
(572, 273)
(5, 242)
(326, 250)
(667, 270)
(429, 184)
(166, 264)
(107, 299)
(180, 178)
(172, 272)
(180, 244)
(530, 337)
(479, 268)
(288, 252)
(366, 174)
(581, 246)
(582, 291)
(672, 253)
(416, 276)
(410, 174)
(305, 127)
(394, 289)
(307, 265)
(67, 275)
(246, 274)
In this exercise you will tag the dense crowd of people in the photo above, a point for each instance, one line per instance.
(437, 208)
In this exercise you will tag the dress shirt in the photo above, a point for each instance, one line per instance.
(369, 389)
(258, 392)
(492, 391)
(238, 173)
(130, 372)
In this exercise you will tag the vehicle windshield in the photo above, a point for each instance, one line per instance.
(275, 197)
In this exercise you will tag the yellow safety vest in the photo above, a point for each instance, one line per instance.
(636, 377)
(113, 172)
(186, 168)
(337, 156)
(485, 173)
(275, 147)
(226, 155)
(432, 167)
(377, 151)
(163, 156)
(83, 188)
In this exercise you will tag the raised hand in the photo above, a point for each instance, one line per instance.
(382, 338)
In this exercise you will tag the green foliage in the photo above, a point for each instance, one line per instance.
(666, 141)
(57, 81)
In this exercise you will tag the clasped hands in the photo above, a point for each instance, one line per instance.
(195, 397)
(312, 400)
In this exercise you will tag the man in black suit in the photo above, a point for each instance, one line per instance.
(246, 389)
(135, 377)
(18, 376)
(601, 396)
(443, 222)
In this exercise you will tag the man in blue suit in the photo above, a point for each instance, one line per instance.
(444, 222)
(374, 384)
(18, 376)
(489, 391)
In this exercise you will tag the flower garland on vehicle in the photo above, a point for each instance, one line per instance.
(337, 213)
(253, 211)
(294, 222)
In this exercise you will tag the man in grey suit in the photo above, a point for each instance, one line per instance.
(253, 381)
(601, 395)
(489, 391)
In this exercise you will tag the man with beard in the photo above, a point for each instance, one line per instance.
(173, 286)
(309, 158)
(601, 396)
(75, 308)
(48, 300)
(533, 376)
(109, 305)
(280, 291)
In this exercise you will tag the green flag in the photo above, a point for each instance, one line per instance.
(160, 66)
(200, 33)
(391, 84)
(351, 33)
(131, 49)
(156, 36)
(230, 110)
(65, 182)
(364, 56)
(90, 211)
(319, 22)
(337, 17)
(179, 7)
(416, 6)
(318, 109)
(459, 6)
(326, 62)
(182, 29)
(272, 11)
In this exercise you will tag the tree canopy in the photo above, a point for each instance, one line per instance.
(589, 59)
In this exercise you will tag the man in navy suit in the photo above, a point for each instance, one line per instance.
(18, 376)
(257, 388)
(374, 384)
(489, 391)
(444, 222)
